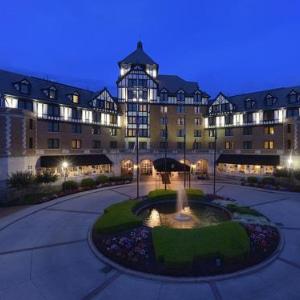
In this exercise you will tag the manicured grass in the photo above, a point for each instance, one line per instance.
(118, 217)
(244, 210)
(181, 247)
(161, 194)
(194, 194)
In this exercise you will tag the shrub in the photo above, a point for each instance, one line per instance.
(69, 185)
(297, 174)
(115, 178)
(281, 173)
(88, 183)
(118, 217)
(162, 194)
(45, 177)
(252, 180)
(194, 194)
(268, 181)
(243, 210)
(181, 247)
(101, 179)
(21, 180)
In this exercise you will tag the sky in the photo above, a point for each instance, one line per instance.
(233, 46)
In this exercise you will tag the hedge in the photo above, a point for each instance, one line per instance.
(161, 194)
(244, 210)
(180, 247)
(194, 194)
(88, 183)
(118, 217)
(70, 185)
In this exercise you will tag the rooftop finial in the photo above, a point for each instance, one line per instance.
(140, 45)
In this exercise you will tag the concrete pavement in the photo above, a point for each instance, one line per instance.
(44, 252)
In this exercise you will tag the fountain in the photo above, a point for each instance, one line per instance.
(183, 211)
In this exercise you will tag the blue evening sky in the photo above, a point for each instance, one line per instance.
(232, 46)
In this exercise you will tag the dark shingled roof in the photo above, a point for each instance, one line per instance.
(138, 57)
(173, 83)
(280, 93)
(37, 85)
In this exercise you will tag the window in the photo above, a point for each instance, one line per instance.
(143, 145)
(53, 143)
(75, 98)
(269, 130)
(180, 96)
(76, 128)
(50, 93)
(96, 116)
(228, 132)
(76, 114)
(228, 145)
(180, 145)
(131, 145)
(30, 143)
(164, 109)
(211, 121)
(268, 115)
(76, 144)
(163, 96)
(248, 117)
(53, 110)
(113, 119)
(30, 124)
(196, 145)
(163, 133)
(197, 97)
(25, 104)
(23, 86)
(113, 145)
(269, 144)
(53, 126)
(247, 130)
(292, 97)
(197, 110)
(131, 107)
(163, 145)
(163, 120)
(292, 112)
(113, 131)
(211, 145)
(96, 144)
(289, 144)
(289, 128)
(197, 121)
(96, 130)
(211, 133)
(180, 133)
(249, 103)
(130, 132)
(180, 121)
(197, 133)
(180, 109)
(143, 107)
(270, 100)
(247, 145)
(229, 119)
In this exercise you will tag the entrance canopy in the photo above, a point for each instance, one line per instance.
(242, 159)
(170, 165)
(53, 161)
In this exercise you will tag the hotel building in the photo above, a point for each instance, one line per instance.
(44, 123)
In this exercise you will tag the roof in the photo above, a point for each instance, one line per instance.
(37, 85)
(243, 159)
(280, 93)
(173, 83)
(138, 57)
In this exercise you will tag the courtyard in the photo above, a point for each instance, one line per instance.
(45, 252)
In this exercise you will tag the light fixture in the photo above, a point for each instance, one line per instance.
(64, 164)
(290, 161)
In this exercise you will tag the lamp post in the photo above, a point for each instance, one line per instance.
(215, 160)
(137, 140)
(184, 152)
(65, 167)
(165, 148)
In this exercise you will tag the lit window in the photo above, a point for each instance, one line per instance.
(75, 98)
(164, 109)
(269, 130)
(269, 144)
(76, 144)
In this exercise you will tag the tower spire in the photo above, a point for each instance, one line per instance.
(140, 45)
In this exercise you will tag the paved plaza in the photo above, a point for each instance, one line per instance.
(44, 252)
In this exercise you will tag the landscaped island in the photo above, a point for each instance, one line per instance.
(196, 236)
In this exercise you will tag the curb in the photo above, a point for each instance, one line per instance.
(200, 279)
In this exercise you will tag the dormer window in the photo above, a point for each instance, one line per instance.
(52, 92)
(164, 96)
(197, 97)
(180, 96)
(270, 100)
(249, 103)
(293, 97)
(23, 86)
(75, 98)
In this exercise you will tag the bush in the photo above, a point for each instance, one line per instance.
(102, 179)
(69, 185)
(88, 183)
(244, 210)
(118, 217)
(281, 173)
(268, 181)
(180, 247)
(46, 177)
(252, 180)
(115, 179)
(21, 180)
(297, 174)
(194, 194)
(162, 194)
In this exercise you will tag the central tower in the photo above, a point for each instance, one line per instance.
(137, 88)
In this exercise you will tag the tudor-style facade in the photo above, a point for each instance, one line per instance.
(45, 122)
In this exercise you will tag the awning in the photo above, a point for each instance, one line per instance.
(51, 161)
(243, 159)
(172, 165)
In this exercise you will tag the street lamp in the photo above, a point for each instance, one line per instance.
(215, 160)
(65, 167)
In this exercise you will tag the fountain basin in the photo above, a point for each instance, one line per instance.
(196, 215)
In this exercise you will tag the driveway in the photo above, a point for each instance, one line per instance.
(44, 252)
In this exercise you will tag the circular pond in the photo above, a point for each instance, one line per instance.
(194, 215)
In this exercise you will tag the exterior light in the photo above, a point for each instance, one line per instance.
(135, 166)
(65, 164)
(290, 161)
